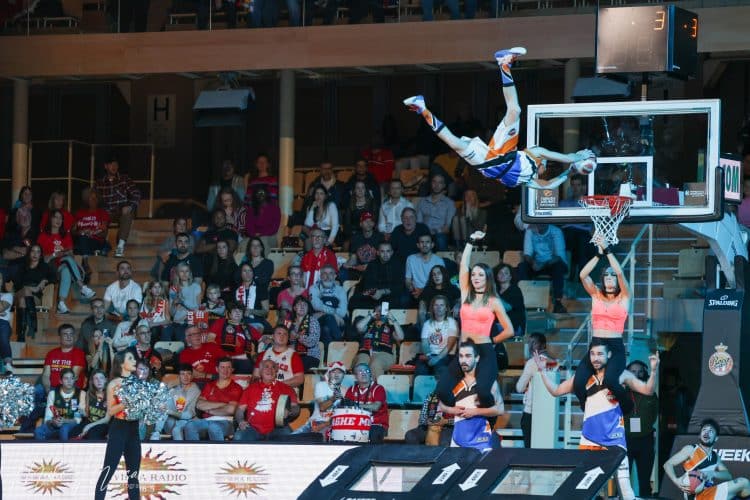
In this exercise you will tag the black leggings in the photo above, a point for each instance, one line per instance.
(615, 367)
(486, 374)
(123, 439)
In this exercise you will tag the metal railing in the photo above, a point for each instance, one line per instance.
(586, 325)
(80, 159)
(27, 20)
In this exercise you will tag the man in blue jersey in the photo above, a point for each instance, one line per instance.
(603, 423)
(500, 159)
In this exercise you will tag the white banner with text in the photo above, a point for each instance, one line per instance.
(169, 470)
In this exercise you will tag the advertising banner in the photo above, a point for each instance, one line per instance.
(169, 470)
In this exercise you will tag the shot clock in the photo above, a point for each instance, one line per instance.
(659, 38)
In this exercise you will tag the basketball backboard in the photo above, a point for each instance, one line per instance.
(666, 152)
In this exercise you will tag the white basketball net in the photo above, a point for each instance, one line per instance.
(606, 212)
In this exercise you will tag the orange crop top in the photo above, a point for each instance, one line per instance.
(477, 321)
(609, 316)
(122, 414)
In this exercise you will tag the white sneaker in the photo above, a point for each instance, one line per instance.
(120, 250)
(87, 292)
(62, 308)
(415, 103)
(509, 56)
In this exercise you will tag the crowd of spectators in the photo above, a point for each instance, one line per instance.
(212, 289)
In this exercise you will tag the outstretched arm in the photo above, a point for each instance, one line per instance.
(585, 275)
(536, 183)
(463, 270)
(546, 154)
(560, 389)
(639, 386)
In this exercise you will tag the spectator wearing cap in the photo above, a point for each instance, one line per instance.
(363, 248)
(328, 394)
(361, 201)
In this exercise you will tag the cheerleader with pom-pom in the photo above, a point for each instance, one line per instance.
(123, 438)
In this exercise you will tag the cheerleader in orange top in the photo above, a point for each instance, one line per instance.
(610, 305)
(480, 307)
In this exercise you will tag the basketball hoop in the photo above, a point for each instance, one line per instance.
(606, 212)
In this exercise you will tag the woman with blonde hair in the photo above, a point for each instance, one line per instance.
(155, 308)
(185, 295)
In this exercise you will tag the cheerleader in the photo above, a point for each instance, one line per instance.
(610, 305)
(123, 438)
(480, 307)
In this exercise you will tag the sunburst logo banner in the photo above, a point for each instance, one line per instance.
(161, 476)
(242, 479)
(47, 476)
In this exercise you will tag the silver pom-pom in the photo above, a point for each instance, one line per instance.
(16, 400)
(143, 399)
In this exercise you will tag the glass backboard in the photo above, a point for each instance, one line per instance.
(665, 152)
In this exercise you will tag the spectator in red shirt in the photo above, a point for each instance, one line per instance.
(119, 197)
(90, 228)
(316, 258)
(238, 340)
(202, 357)
(370, 396)
(256, 411)
(263, 178)
(57, 202)
(216, 405)
(57, 248)
(59, 358)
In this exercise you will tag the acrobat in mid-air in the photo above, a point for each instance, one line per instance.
(500, 159)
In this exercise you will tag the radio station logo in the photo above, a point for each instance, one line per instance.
(242, 479)
(47, 477)
(160, 477)
(720, 363)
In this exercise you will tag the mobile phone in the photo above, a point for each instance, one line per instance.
(384, 307)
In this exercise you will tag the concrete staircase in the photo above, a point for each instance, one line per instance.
(140, 251)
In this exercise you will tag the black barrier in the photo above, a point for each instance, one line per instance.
(425, 472)
(391, 471)
(513, 473)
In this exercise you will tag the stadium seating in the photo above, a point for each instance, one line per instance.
(396, 388)
(400, 421)
(342, 351)
(423, 387)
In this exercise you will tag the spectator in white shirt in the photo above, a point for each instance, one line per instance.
(390, 212)
(117, 295)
